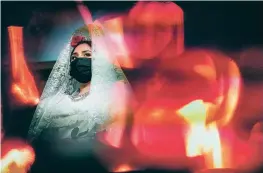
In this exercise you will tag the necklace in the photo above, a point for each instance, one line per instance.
(77, 97)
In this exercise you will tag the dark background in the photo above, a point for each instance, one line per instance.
(228, 26)
(225, 25)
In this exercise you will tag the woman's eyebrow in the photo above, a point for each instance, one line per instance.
(86, 51)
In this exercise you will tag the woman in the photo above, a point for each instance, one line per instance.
(77, 101)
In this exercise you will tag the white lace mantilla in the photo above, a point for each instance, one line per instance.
(55, 102)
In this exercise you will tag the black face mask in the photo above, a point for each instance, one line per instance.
(80, 69)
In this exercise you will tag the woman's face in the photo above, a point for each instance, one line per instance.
(81, 51)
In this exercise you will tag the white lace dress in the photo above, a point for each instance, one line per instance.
(74, 123)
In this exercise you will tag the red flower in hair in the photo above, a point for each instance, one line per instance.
(76, 39)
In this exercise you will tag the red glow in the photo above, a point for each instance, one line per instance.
(195, 75)
(186, 108)
(16, 156)
(84, 11)
(123, 168)
(23, 87)
(119, 48)
(149, 33)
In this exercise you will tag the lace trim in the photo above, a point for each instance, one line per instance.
(78, 97)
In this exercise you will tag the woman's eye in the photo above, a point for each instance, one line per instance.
(87, 54)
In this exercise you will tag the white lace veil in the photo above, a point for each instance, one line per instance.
(60, 83)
